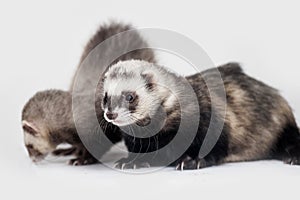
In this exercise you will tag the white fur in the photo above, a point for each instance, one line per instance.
(40, 142)
(134, 81)
(121, 120)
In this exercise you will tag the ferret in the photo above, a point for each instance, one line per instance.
(258, 122)
(47, 119)
(47, 122)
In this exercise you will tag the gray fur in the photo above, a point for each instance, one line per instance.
(104, 32)
(50, 111)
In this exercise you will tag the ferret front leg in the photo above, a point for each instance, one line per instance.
(192, 160)
(65, 152)
(83, 157)
(132, 162)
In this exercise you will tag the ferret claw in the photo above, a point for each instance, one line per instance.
(122, 167)
(198, 164)
(180, 166)
(82, 161)
(76, 163)
(123, 164)
(292, 161)
(116, 165)
(189, 163)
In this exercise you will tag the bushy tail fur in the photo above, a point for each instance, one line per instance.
(108, 30)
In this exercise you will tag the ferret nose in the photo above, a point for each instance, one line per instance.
(111, 115)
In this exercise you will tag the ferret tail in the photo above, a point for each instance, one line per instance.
(110, 29)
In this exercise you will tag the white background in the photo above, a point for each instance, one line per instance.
(40, 46)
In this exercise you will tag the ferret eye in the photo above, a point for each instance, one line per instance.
(129, 97)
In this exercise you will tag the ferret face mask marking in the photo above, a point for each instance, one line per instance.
(36, 142)
(124, 105)
(127, 97)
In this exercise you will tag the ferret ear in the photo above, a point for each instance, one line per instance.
(149, 79)
(30, 128)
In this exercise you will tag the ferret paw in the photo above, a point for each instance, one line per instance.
(64, 152)
(82, 161)
(292, 161)
(189, 164)
(293, 157)
(125, 163)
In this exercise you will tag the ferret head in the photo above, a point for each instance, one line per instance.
(132, 93)
(36, 140)
(41, 114)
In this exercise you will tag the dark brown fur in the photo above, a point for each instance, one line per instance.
(258, 121)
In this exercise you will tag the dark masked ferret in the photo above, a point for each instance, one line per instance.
(259, 123)
(47, 119)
